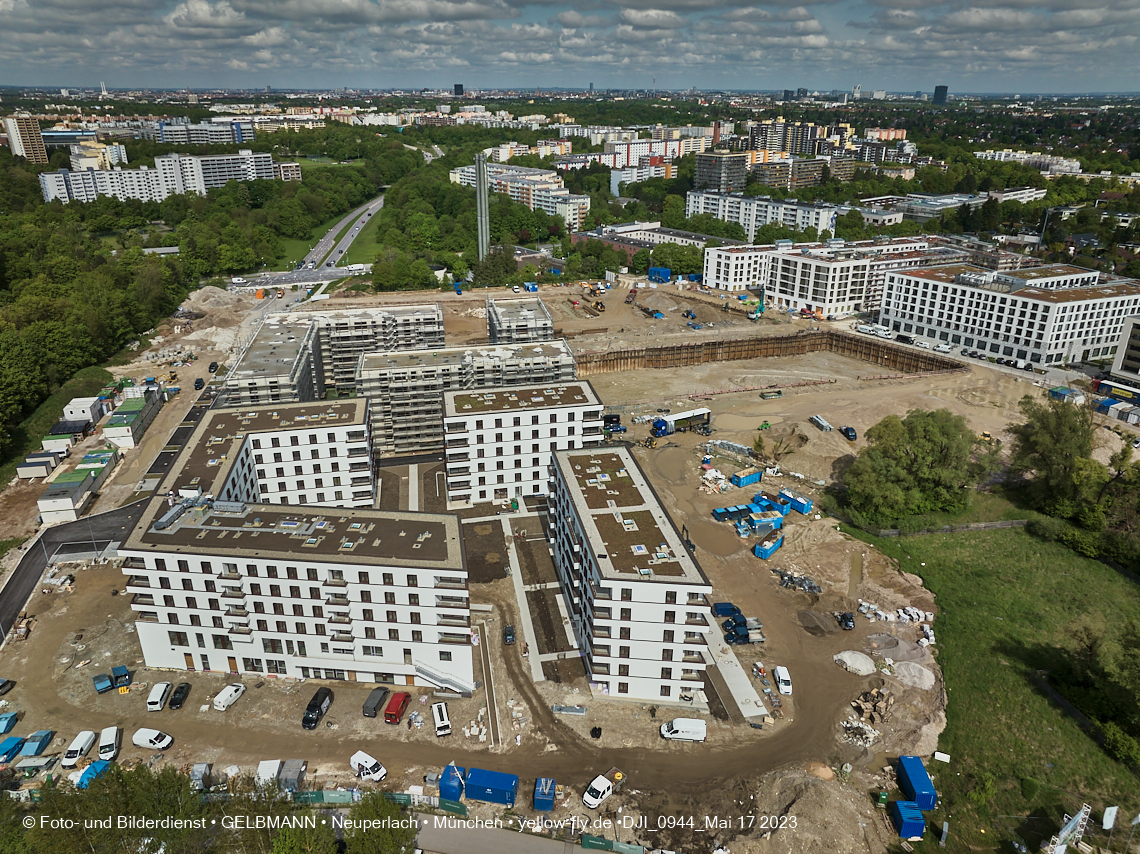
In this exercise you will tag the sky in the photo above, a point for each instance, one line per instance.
(1012, 46)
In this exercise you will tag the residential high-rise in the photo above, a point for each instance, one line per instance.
(458, 90)
(722, 171)
(940, 93)
(24, 138)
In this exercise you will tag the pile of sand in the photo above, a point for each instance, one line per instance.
(896, 649)
(211, 297)
(858, 663)
(914, 675)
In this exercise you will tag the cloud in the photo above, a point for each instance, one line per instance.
(654, 19)
(576, 20)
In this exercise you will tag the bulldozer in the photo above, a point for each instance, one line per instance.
(650, 442)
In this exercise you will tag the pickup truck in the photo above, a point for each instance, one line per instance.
(739, 621)
(602, 787)
(744, 636)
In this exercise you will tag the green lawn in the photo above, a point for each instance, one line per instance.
(29, 433)
(307, 164)
(1006, 602)
(9, 544)
(296, 248)
(363, 250)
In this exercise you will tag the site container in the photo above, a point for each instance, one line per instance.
(492, 786)
(774, 502)
(1105, 403)
(451, 783)
(747, 477)
(907, 819)
(1117, 390)
(720, 514)
(767, 546)
(10, 746)
(544, 794)
(915, 782)
(800, 503)
(659, 274)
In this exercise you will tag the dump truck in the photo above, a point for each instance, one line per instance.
(602, 787)
(631, 296)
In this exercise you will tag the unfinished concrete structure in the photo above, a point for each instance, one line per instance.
(405, 389)
(280, 364)
(518, 321)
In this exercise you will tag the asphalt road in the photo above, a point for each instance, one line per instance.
(327, 249)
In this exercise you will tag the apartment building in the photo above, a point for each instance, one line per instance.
(638, 602)
(280, 364)
(221, 132)
(648, 167)
(97, 155)
(1126, 363)
(1019, 194)
(518, 321)
(721, 171)
(172, 173)
(538, 189)
(405, 389)
(1050, 315)
(499, 441)
(628, 152)
(1047, 163)
(25, 139)
(753, 212)
(287, 171)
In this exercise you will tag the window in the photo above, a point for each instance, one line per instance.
(444, 655)
(413, 599)
(377, 651)
(364, 578)
(301, 628)
(666, 655)
(623, 633)
(222, 642)
(667, 637)
(670, 597)
(666, 690)
(178, 639)
(666, 672)
(626, 594)
(412, 582)
(369, 632)
(367, 614)
(389, 598)
(623, 652)
(670, 616)
(391, 616)
(318, 612)
(417, 637)
(389, 578)
(627, 613)
(251, 664)
(393, 634)
(623, 687)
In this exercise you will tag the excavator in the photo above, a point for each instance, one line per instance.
(650, 442)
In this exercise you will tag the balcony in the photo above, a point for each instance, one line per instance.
(452, 620)
(602, 632)
(451, 602)
(334, 582)
(598, 651)
(341, 619)
(603, 613)
(142, 599)
(236, 611)
(146, 617)
(342, 637)
(451, 584)
(241, 630)
(138, 581)
(456, 443)
(454, 638)
(233, 593)
(693, 657)
(696, 620)
(230, 575)
(461, 457)
(337, 599)
(690, 677)
(134, 563)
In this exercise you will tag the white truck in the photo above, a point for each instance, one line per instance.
(602, 787)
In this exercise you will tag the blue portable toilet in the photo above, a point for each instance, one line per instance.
(544, 794)
(915, 782)
(907, 819)
(720, 514)
(451, 783)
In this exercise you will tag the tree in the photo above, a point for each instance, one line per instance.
(1050, 445)
(673, 212)
(384, 820)
(319, 839)
(758, 448)
(919, 464)
(639, 264)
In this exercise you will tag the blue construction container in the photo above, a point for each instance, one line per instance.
(767, 546)
(747, 477)
(451, 783)
(659, 274)
(10, 746)
(720, 514)
(8, 722)
(544, 794)
(492, 786)
(775, 502)
(915, 782)
(1105, 404)
(696, 277)
(767, 519)
(907, 819)
(800, 503)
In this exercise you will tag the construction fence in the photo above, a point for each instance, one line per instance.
(868, 349)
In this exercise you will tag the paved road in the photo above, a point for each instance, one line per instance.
(327, 250)
(94, 533)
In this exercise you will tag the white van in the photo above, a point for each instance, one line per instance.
(156, 702)
(441, 720)
(78, 748)
(925, 345)
(109, 743)
(684, 729)
(943, 348)
(228, 696)
(783, 679)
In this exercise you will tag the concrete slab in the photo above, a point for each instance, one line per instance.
(520, 597)
(737, 681)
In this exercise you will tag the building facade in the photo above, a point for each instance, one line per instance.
(25, 139)
(721, 171)
(753, 212)
(538, 189)
(637, 601)
(1126, 363)
(500, 442)
(518, 321)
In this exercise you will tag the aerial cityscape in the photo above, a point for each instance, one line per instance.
(483, 427)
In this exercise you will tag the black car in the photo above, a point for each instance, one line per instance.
(734, 639)
(317, 708)
(178, 698)
(849, 432)
(508, 635)
(973, 354)
(199, 384)
(965, 352)
(213, 367)
(6, 685)
(846, 621)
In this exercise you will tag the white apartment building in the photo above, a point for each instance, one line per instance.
(831, 278)
(1019, 194)
(538, 189)
(1048, 163)
(1126, 364)
(637, 174)
(753, 212)
(280, 364)
(499, 441)
(173, 173)
(629, 152)
(1050, 315)
(96, 155)
(638, 602)
(405, 389)
(518, 321)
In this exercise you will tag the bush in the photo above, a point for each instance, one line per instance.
(1046, 528)
(1120, 745)
(1029, 788)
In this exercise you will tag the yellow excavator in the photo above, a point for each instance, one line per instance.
(650, 442)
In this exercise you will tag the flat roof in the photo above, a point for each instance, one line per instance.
(446, 356)
(375, 312)
(632, 536)
(525, 397)
(1048, 271)
(212, 448)
(291, 533)
(273, 351)
(519, 309)
(947, 272)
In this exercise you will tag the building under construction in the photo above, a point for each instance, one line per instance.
(405, 389)
(280, 364)
(518, 321)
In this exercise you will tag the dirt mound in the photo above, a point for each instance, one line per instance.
(896, 649)
(914, 675)
(211, 297)
(656, 301)
(816, 624)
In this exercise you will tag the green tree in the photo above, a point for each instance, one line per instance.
(919, 464)
(639, 264)
(1049, 447)
(673, 212)
(319, 839)
(384, 835)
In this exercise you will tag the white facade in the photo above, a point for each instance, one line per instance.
(1126, 365)
(499, 442)
(1021, 314)
(518, 321)
(1019, 194)
(538, 189)
(637, 601)
(753, 212)
(628, 153)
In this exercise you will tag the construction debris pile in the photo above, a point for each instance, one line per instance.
(713, 482)
(859, 733)
(909, 614)
(874, 706)
(478, 312)
(793, 579)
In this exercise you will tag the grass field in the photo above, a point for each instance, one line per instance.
(28, 434)
(1006, 602)
(307, 164)
(363, 250)
(296, 248)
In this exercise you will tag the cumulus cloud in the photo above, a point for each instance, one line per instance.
(653, 19)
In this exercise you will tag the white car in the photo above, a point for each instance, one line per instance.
(78, 748)
(152, 739)
(783, 679)
(228, 696)
(367, 768)
(238, 280)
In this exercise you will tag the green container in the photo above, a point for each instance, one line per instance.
(881, 800)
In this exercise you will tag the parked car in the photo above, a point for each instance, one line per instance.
(151, 739)
(725, 609)
(213, 367)
(366, 767)
(109, 743)
(375, 702)
(965, 351)
(846, 621)
(783, 679)
(317, 708)
(156, 701)
(849, 433)
(508, 635)
(6, 685)
(228, 696)
(78, 748)
(178, 698)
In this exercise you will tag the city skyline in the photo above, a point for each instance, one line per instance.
(896, 45)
